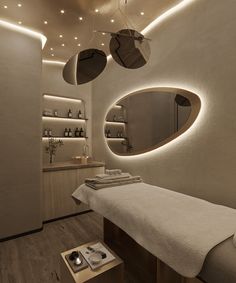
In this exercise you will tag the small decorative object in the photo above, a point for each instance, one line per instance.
(81, 132)
(48, 112)
(55, 113)
(69, 114)
(70, 133)
(77, 132)
(80, 115)
(45, 132)
(66, 133)
(52, 146)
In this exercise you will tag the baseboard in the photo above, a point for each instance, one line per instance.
(41, 228)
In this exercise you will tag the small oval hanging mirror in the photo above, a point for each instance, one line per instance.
(84, 66)
(148, 119)
(129, 48)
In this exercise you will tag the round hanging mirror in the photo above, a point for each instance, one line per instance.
(84, 66)
(129, 48)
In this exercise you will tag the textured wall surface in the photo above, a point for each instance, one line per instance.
(193, 49)
(53, 82)
(20, 124)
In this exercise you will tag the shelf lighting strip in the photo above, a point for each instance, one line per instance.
(63, 119)
(115, 123)
(54, 97)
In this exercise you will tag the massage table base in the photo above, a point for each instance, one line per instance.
(140, 265)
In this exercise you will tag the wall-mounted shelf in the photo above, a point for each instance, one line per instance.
(116, 122)
(64, 118)
(65, 138)
(115, 138)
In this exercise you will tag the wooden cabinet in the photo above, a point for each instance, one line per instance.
(58, 185)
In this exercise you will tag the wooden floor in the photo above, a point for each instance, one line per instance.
(35, 258)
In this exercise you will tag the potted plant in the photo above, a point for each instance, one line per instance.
(52, 146)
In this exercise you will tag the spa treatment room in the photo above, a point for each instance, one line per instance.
(118, 141)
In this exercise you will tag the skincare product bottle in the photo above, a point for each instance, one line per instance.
(108, 133)
(49, 132)
(118, 134)
(77, 132)
(70, 133)
(55, 113)
(69, 114)
(79, 115)
(45, 132)
(81, 132)
(66, 133)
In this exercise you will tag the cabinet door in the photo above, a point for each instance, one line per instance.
(57, 189)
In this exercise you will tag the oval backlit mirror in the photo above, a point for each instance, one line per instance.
(129, 48)
(84, 66)
(148, 119)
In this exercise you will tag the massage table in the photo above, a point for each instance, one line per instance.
(220, 262)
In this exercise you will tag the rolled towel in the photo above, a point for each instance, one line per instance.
(113, 171)
(110, 177)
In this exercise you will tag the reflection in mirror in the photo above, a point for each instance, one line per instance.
(129, 48)
(85, 66)
(145, 120)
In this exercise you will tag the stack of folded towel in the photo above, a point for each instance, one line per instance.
(111, 178)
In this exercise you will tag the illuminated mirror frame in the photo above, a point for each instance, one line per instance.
(195, 109)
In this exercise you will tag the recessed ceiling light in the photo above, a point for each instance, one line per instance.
(141, 13)
(112, 20)
(60, 35)
(78, 44)
(62, 11)
(51, 48)
(75, 37)
(63, 44)
(81, 18)
(5, 6)
(45, 22)
(19, 5)
(52, 55)
(20, 23)
(96, 10)
(102, 44)
(103, 33)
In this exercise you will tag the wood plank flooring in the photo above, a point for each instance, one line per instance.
(35, 258)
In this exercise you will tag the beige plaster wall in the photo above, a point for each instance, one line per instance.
(52, 82)
(20, 128)
(193, 49)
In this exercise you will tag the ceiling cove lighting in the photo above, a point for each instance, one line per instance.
(167, 14)
(25, 31)
(54, 62)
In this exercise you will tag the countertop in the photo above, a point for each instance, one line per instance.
(57, 166)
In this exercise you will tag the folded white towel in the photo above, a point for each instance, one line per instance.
(113, 171)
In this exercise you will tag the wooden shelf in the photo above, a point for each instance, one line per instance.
(64, 118)
(116, 138)
(116, 122)
(66, 138)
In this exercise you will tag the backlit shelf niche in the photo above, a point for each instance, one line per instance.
(58, 123)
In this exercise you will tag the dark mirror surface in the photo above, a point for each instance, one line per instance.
(85, 66)
(145, 120)
(129, 48)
